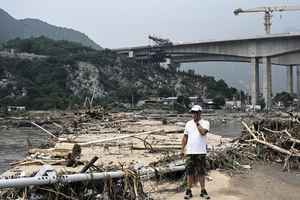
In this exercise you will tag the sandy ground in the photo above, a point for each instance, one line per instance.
(263, 182)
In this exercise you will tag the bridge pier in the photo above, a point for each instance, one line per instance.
(254, 81)
(298, 80)
(267, 82)
(290, 79)
(170, 64)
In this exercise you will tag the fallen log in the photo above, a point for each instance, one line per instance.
(37, 162)
(156, 149)
(174, 131)
(53, 152)
(120, 137)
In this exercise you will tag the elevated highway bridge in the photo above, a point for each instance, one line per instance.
(261, 51)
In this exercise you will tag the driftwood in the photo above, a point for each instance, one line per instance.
(120, 137)
(272, 146)
(89, 164)
(37, 162)
(147, 145)
(53, 152)
(61, 150)
(156, 149)
(27, 162)
(276, 148)
(282, 142)
(289, 136)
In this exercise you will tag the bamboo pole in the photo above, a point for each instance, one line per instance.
(46, 131)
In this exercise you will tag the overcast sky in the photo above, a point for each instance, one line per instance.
(120, 23)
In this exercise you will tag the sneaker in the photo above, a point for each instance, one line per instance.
(204, 194)
(188, 194)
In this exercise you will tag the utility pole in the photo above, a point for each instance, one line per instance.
(132, 100)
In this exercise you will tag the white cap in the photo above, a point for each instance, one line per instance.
(196, 108)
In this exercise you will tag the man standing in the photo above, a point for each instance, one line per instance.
(194, 144)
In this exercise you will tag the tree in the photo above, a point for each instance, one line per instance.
(261, 102)
(128, 94)
(219, 100)
(184, 101)
(191, 72)
(179, 107)
(166, 91)
(285, 98)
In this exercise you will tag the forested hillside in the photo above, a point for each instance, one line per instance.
(69, 72)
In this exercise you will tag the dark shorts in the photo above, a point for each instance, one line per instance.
(195, 164)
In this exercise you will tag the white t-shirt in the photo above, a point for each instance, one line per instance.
(196, 143)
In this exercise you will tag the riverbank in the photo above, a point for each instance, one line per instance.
(263, 181)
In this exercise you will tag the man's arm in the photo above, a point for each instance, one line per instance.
(183, 143)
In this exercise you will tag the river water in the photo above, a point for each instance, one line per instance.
(228, 128)
(13, 142)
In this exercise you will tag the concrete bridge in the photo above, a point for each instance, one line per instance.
(276, 49)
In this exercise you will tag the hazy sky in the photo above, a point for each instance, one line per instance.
(119, 23)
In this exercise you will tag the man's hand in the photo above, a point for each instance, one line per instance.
(201, 130)
(182, 154)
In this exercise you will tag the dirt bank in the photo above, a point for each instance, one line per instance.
(260, 183)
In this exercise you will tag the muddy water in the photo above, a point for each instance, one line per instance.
(228, 128)
(13, 144)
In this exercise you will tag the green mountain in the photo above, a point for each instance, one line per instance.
(58, 74)
(12, 28)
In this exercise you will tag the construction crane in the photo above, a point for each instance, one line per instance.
(158, 53)
(160, 41)
(268, 13)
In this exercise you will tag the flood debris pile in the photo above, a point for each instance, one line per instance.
(275, 140)
(100, 155)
